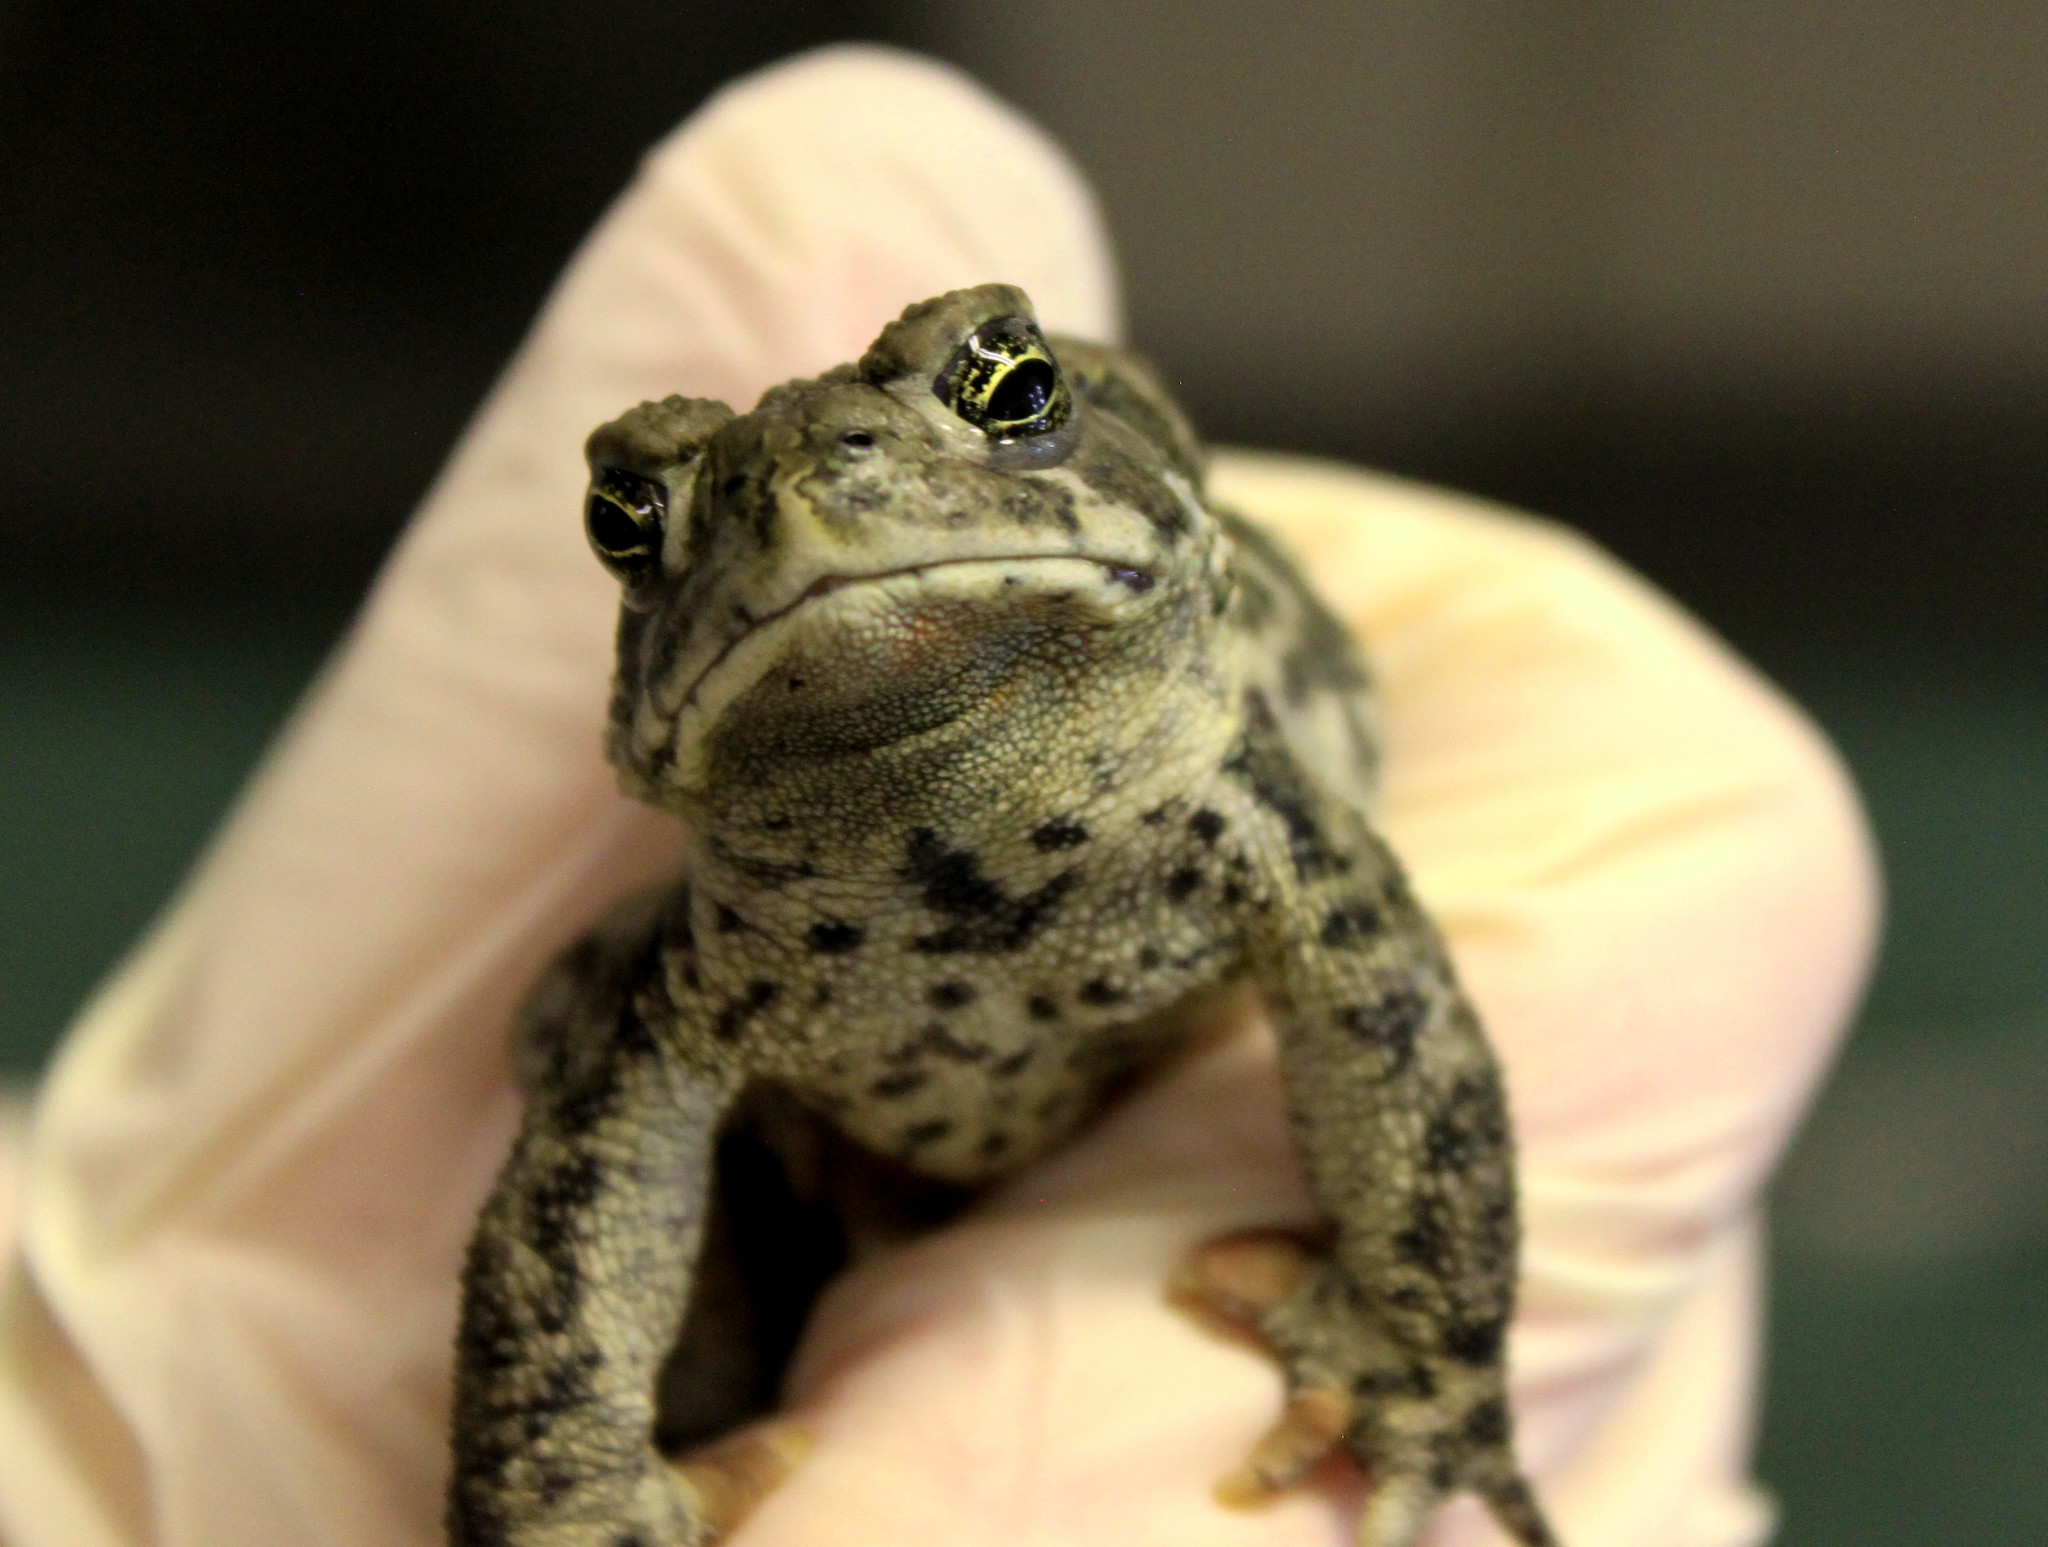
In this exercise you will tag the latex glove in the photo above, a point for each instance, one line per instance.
(257, 1162)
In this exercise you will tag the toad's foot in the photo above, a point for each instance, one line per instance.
(726, 1480)
(1231, 1285)
(1421, 1427)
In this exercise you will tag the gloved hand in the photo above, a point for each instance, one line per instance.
(256, 1164)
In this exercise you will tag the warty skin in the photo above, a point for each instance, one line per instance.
(998, 745)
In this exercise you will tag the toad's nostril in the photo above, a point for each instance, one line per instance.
(860, 440)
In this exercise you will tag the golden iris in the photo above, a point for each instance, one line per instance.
(1005, 382)
(623, 518)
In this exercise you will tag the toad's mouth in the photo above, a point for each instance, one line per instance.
(1125, 577)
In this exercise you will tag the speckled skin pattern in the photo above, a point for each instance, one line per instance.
(996, 748)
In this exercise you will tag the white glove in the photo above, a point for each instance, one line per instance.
(255, 1166)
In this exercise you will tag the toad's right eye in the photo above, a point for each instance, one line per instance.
(624, 517)
(1004, 381)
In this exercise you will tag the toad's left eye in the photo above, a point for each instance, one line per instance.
(623, 516)
(1004, 381)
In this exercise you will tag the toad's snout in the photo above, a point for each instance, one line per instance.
(843, 472)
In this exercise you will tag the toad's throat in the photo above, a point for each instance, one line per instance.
(1134, 580)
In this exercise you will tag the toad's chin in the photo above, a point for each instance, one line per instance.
(860, 662)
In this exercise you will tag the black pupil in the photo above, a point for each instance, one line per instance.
(1023, 393)
(611, 528)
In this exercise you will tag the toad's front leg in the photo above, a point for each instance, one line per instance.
(1393, 1341)
(577, 1279)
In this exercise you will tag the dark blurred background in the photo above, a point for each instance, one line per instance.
(1756, 294)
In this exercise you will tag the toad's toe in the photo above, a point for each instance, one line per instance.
(727, 1479)
(1310, 1429)
(1237, 1279)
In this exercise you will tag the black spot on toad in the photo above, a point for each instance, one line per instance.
(1100, 991)
(835, 937)
(1054, 836)
(891, 1086)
